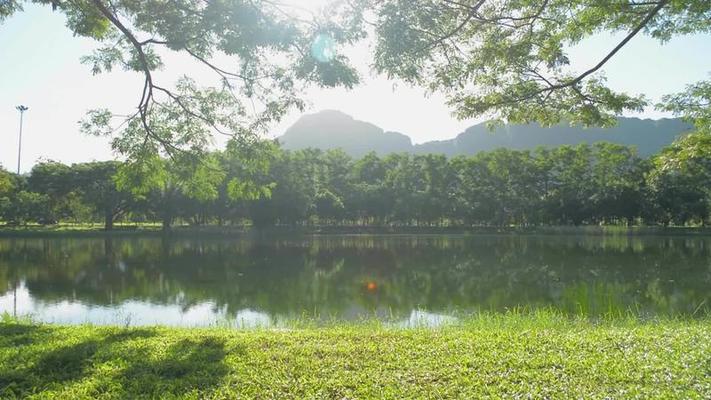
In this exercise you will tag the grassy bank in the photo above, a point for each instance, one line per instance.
(507, 356)
(97, 230)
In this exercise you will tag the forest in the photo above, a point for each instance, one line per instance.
(263, 185)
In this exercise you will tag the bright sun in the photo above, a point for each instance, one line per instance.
(308, 5)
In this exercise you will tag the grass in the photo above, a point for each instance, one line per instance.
(510, 356)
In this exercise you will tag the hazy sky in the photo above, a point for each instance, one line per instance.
(39, 67)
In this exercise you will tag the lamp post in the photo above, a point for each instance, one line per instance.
(22, 110)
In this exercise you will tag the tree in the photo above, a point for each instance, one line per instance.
(472, 198)
(296, 186)
(248, 179)
(334, 189)
(439, 187)
(27, 207)
(260, 52)
(694, 104)
(328, 206)
(7, 187)
(514, 178)
(505, 59)
(405, 188)
(165, 183)
(618, 179)
(570, 189)
(509, 59)
(681, 179)
(55, 181)
(97, 183)
(370, 201)
(6, 184)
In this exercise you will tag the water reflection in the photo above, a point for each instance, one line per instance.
(264, 282)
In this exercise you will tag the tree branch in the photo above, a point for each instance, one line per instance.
(579, 78)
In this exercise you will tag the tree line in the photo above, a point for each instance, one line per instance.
(264, 185)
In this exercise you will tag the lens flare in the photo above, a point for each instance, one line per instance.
(323, 48)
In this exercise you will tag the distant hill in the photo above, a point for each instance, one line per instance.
(334, 129)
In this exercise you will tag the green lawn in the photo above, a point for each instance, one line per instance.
(508, 356)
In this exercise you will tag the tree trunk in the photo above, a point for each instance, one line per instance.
(108, 221)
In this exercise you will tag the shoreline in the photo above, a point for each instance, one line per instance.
(69, 230)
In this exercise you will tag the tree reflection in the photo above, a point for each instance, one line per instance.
(353, 276)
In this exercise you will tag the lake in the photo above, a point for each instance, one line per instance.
(400, 279)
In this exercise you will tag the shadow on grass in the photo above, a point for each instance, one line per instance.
(187, 365)
(21, 334)
(145, 369)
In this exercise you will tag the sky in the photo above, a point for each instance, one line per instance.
(40, 68)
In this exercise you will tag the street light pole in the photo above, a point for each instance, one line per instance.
(22, 110)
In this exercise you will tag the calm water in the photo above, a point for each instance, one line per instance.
(401, 279)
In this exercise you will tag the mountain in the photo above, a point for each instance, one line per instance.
(334, 129)
(647, 135)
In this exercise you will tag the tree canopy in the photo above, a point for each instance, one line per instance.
(507, 60)
(259, 51)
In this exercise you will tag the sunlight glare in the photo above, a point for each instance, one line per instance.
(307, 5)
(323, 48)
